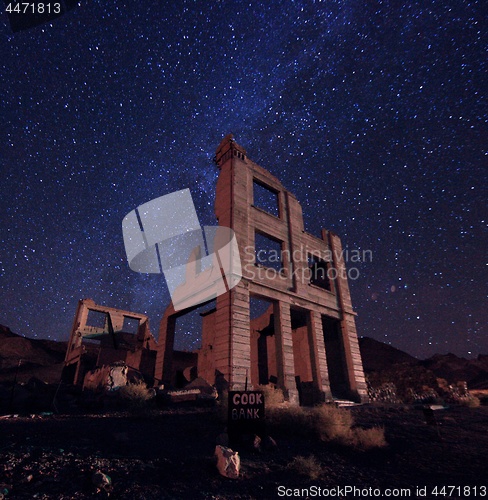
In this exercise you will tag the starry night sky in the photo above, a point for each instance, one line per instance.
(371, 112)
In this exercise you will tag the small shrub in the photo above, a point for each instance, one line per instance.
(290, 420)
(273, 397)
(470, 401)
(367, 439)
(306, 466)
(326, 422)
(482, 395)
(332, 424)
(136, 394)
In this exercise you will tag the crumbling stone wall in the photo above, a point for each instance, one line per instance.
(312, 335)
(103, 328)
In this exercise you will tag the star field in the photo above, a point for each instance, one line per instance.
(371, 112)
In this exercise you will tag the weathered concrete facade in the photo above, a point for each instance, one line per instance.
(306, 342)
(121, 336)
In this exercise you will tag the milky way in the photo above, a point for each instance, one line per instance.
(371, 112)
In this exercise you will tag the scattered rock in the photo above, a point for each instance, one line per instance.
(228, 462)
(256, 444)
(107, 377)
(102, 482)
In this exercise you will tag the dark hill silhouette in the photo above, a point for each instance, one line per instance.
(43, 359)
(453, 368)
(39, 358)
(378, 356)
(385, 359)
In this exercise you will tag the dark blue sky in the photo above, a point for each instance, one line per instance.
(371, 112)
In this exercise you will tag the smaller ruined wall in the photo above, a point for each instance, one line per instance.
(115, 345)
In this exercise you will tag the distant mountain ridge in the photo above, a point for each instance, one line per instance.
(377, 356)
(41, 358)
(380, 357)
(44, 359)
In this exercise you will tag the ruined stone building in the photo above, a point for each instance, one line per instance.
(289, 321)
(102, 336)
(305, 341)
